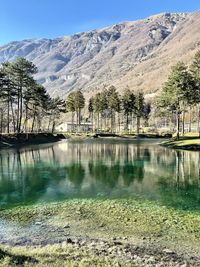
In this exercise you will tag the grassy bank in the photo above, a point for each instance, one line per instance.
(102, 233)
(9, 140)
(188, 143)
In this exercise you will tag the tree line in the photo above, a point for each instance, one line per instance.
(109, 111)
(25, 104)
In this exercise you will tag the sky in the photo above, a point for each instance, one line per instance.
(27, 19)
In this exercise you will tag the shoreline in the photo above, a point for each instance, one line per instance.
(78, 229)
(191, 144)
(23, 139)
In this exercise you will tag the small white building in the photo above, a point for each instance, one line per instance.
(70, 127)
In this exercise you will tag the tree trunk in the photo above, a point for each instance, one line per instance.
(13, 117)
(178, 123)
(18, 105)
(33, 123)
(53, 126)
(97, 121)
(1, 121)
(77, 121)
(138, 125)
(119, 122)
(126, 121)
(183, 122)
(8, 117)
(190, 119)
(21, 110)
(92, 121)
(198, 119)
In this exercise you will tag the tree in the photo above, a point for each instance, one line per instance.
(128, 104)
(21, 71)
(146, 112)
(56, 107)
(97, 107)
(91, 110)
(195, 95)
(103, 107)
(7, 92)
(175, 91)
(70, 107)
(79, 103)
(139, 109)
(113, 105)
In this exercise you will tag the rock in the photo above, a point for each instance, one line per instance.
(38, 223)
(168, 251)
(66, 226)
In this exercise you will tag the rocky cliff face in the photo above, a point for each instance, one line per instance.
(135, 54)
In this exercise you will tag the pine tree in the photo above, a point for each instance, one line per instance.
(113, 105)
(128, 105)
(79, 103)
(21, 70)
(139, 109)
(91, 110)
(70, 107)
(195, 93)
(175, 91)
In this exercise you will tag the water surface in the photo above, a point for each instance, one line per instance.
(100, 169)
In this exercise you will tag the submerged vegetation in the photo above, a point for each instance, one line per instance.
(83, 235)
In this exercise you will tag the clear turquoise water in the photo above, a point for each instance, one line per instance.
(100, 169)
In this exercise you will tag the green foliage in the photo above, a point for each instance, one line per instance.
(139, 104)
(79, 100)
(24, 98)
(91, 105)
(128, 101)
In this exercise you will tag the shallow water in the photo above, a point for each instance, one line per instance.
(98, 169)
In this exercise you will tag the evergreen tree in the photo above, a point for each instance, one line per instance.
(139, 109)
(113, 105)
(195, 93)
(91, 109)
(70, 107)
(175, 91)
(21, 71)
(79, 103)
(128, 105)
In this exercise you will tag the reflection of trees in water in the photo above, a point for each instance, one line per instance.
(133, 171)
(181, 187)
(76, 173)
(27, 173)
(184, 172)
(106, 174)
(25, 176)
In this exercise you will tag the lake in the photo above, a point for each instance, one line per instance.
(100, 168)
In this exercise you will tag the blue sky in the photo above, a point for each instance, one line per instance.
(24, 19)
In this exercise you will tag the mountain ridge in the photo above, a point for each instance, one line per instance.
(117, 54)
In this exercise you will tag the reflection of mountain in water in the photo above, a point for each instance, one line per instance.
(93, 168)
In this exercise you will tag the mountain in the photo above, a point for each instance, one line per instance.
(137, 54)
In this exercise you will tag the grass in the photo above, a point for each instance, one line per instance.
(56, 255)
(141, 222)
(188, 141)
